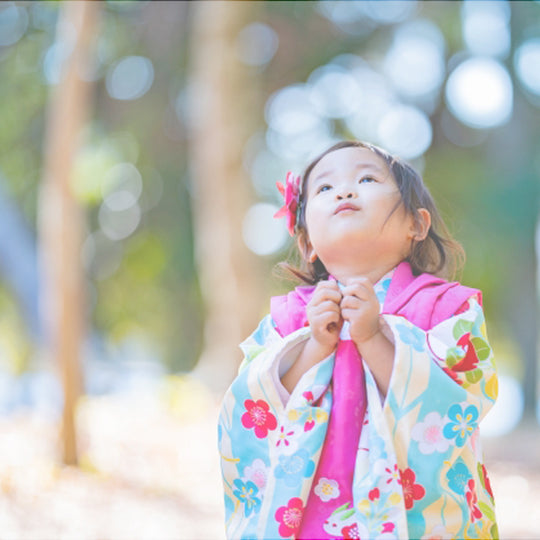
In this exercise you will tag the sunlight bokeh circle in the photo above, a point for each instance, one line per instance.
(479, 93)
(262, 233)
(527, 65)
(405, 131)
(130, 78)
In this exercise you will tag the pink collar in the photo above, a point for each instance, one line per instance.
(425, 300)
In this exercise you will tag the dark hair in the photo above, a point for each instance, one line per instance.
(437, 254)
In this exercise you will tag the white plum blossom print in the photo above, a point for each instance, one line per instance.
(287, 438)
(327, 489)
(389, 474)
(257, 473)
(429, 434)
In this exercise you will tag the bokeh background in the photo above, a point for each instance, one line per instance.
(140, 143)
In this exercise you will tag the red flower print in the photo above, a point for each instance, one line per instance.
(464, 307)
(290, 517)
(351, 532)
(411, 491)
(291, 197)
(310, 422)
(487, 483)
(374, 494)
(472, 499)
(470, 360)
(258, 417)
(388, 527)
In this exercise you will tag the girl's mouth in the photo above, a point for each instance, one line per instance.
(344, 207)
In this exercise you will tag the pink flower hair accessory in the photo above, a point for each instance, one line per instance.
(291, 197)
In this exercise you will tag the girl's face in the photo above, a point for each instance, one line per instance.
(349, 197)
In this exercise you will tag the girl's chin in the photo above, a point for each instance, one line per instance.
(347, 252)
(340, 240)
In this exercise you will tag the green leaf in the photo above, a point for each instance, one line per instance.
(341, 508)
(481, 347)
(487, 511)
(462, 327)
(481, 475)
(453, 356)
(474, 376)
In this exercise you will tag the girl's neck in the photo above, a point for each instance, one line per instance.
(374, 273)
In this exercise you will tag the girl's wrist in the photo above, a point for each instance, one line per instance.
(318, 349)
(373, 340)
(378, 353)
(312, 353)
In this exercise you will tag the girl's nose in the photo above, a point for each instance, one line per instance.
(346, 193)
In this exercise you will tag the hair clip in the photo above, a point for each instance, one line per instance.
(291, 197)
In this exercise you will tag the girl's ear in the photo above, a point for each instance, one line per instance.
(305, 247)
(421, 226)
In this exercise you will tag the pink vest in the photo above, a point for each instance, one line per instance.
(425, 301)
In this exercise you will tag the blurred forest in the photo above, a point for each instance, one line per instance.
(140, 143)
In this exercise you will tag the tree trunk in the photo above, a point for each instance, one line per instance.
(60, 215)
(223, 101)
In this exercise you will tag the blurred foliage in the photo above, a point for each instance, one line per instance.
(154, 287)
(15, 350)
(487, 192)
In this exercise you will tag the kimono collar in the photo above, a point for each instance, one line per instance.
(425, 300)
(289, 311)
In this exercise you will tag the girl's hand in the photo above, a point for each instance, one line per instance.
(360, 307)
(324, 315)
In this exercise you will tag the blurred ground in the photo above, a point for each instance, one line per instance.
(150, 471)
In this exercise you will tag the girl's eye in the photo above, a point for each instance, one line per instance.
(366, 179)
(324, 187)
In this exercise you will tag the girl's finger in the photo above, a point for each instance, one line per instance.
(327, 286)
(359, 280)
(325, 307)
(361, 289)
(324, 294)
(328, 283)
(351, 302)
(328, 318)
(333, 323)
(333, 327)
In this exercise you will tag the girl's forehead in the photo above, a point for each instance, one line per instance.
(349, 158)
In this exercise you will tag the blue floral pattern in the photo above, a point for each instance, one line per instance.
(247, 494)
(382, 286)
(294, 468)
(458, 476)
(463, 422)
(412, 335)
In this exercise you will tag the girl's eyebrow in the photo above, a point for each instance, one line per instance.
(322, 176)
(370, 166)
(358, 167)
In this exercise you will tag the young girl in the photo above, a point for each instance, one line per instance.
(355, 413)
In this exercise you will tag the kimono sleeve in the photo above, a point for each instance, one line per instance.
(448, 369)
(259, 434)
(268, 356)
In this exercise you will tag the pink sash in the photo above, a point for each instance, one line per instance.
(340, 446)
(425, 301)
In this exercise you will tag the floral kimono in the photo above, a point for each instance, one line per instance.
(416, 463)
